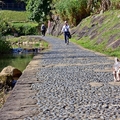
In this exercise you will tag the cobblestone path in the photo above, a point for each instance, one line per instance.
(69, 83)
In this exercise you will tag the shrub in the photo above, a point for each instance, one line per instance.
(5, 46)
(74, 11)
(4, 27)
(25, 28)
(12, 22)
(115, 4)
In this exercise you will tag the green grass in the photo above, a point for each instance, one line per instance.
(116, 1)
(87, 43)
(14, 16)
(32, 24)
(17, 18)
(45, 44)
(105, 31)
(25, 38)
(18, 22)
(37, 45)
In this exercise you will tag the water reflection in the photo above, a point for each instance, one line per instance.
(24, 50)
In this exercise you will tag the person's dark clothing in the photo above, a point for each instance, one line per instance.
(65, 30)
(65, 37)
(43, 29)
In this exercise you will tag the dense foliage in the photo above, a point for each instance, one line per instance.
(76, 10)
(25, 28)
(16, 22)
(39, 9)
(72, 10)
(4, 27)
(4, 45)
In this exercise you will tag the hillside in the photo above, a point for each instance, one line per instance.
(14, 16)
(98, 32)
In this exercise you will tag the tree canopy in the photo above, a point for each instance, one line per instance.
(72, 10)
(38, 9)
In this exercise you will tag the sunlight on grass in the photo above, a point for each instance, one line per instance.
(86, 43)
(14, 16)
(107, 31)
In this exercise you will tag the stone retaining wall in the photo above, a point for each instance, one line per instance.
(20, 102)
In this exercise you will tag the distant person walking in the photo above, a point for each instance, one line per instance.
(66, 32)
(43, 29)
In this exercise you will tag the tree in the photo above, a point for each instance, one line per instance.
(39, 9)
(72, 10)
(4, 44)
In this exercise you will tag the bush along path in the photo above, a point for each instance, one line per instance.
(65, 82)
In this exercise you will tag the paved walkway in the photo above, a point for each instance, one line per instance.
(65, 83)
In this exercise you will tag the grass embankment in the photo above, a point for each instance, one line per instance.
(19, 21)
(110, 27)
(14, 16)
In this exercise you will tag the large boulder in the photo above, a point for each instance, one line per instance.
(5, 80)
(9, 70)
(8, 76)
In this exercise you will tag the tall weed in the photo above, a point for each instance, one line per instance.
(73, 11)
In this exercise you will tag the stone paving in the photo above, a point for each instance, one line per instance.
(66, 82)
